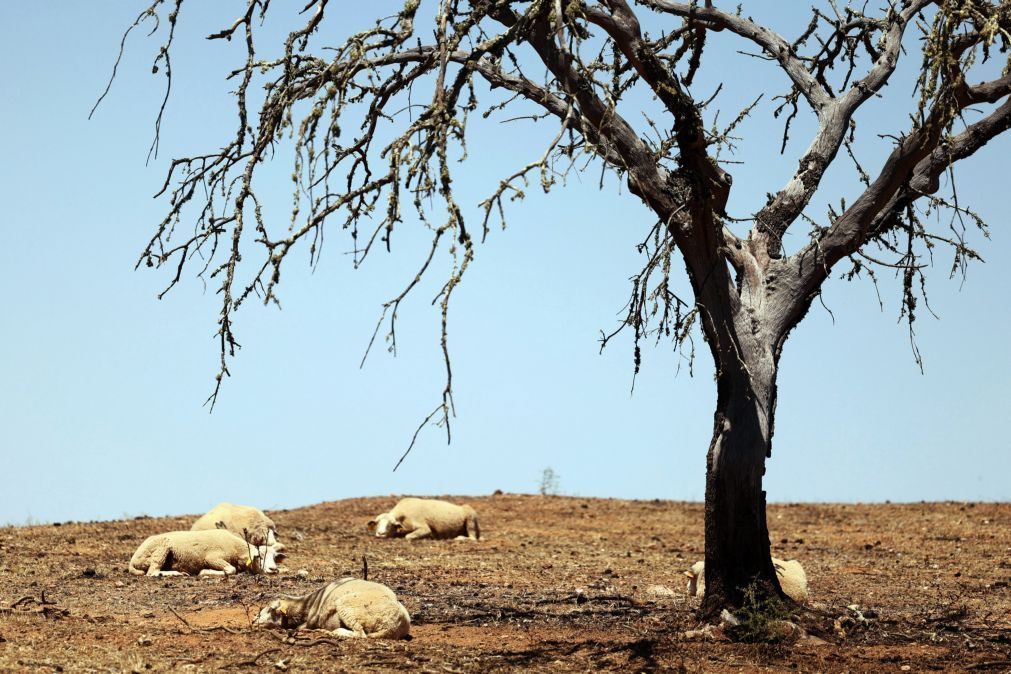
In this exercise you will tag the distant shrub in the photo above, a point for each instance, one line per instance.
(549, 483)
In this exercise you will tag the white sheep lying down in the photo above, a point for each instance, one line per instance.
(790, 573)
(426, 518)
(260, 529)
(206, 553)
(347, 607)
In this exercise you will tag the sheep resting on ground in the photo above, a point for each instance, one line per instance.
(347, 607)
(415, 518)
(260, 529)
(206, 553)
(790, 573)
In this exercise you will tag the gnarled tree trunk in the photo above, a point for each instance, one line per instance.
(737, 537)
(744, 327)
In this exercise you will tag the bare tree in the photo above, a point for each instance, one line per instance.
(377, 122)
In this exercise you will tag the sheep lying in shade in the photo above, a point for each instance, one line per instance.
(791, 576)
(260, 529)
(206, 553)
(347, 607)
(426, 518)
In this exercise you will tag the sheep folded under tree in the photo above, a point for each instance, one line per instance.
(347, 608)
(790, 573)
(415, 518)
(206, 553)
(259, 528)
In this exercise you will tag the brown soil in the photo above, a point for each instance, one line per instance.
(556, 584)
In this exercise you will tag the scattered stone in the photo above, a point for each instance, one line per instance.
(812, 640)
(727, 618)
(786, 630)
(659, 591)
(144, 640)
(707, 633)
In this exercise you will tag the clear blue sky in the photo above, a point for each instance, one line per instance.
(102, 385)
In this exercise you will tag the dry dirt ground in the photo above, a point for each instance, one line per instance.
(556, 584)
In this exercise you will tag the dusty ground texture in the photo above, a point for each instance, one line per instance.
(556, 584)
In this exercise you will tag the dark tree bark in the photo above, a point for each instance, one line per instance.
(737, 537)
(745, 344)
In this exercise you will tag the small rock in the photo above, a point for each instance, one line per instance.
(302, 573)
(812, 640)
(728, 618)
(659, 591)
(120, 583)
(708, 633)
(905, 668)
(144, 641)
(787, 630)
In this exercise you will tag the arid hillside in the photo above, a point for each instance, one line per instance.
(555, 584)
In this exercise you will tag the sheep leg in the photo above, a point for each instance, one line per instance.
(424, 531)
(168, 573)
(350, 621)
(345, 633)
(158, 560)
(473, 530)
(217, 566)
(470, 530)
